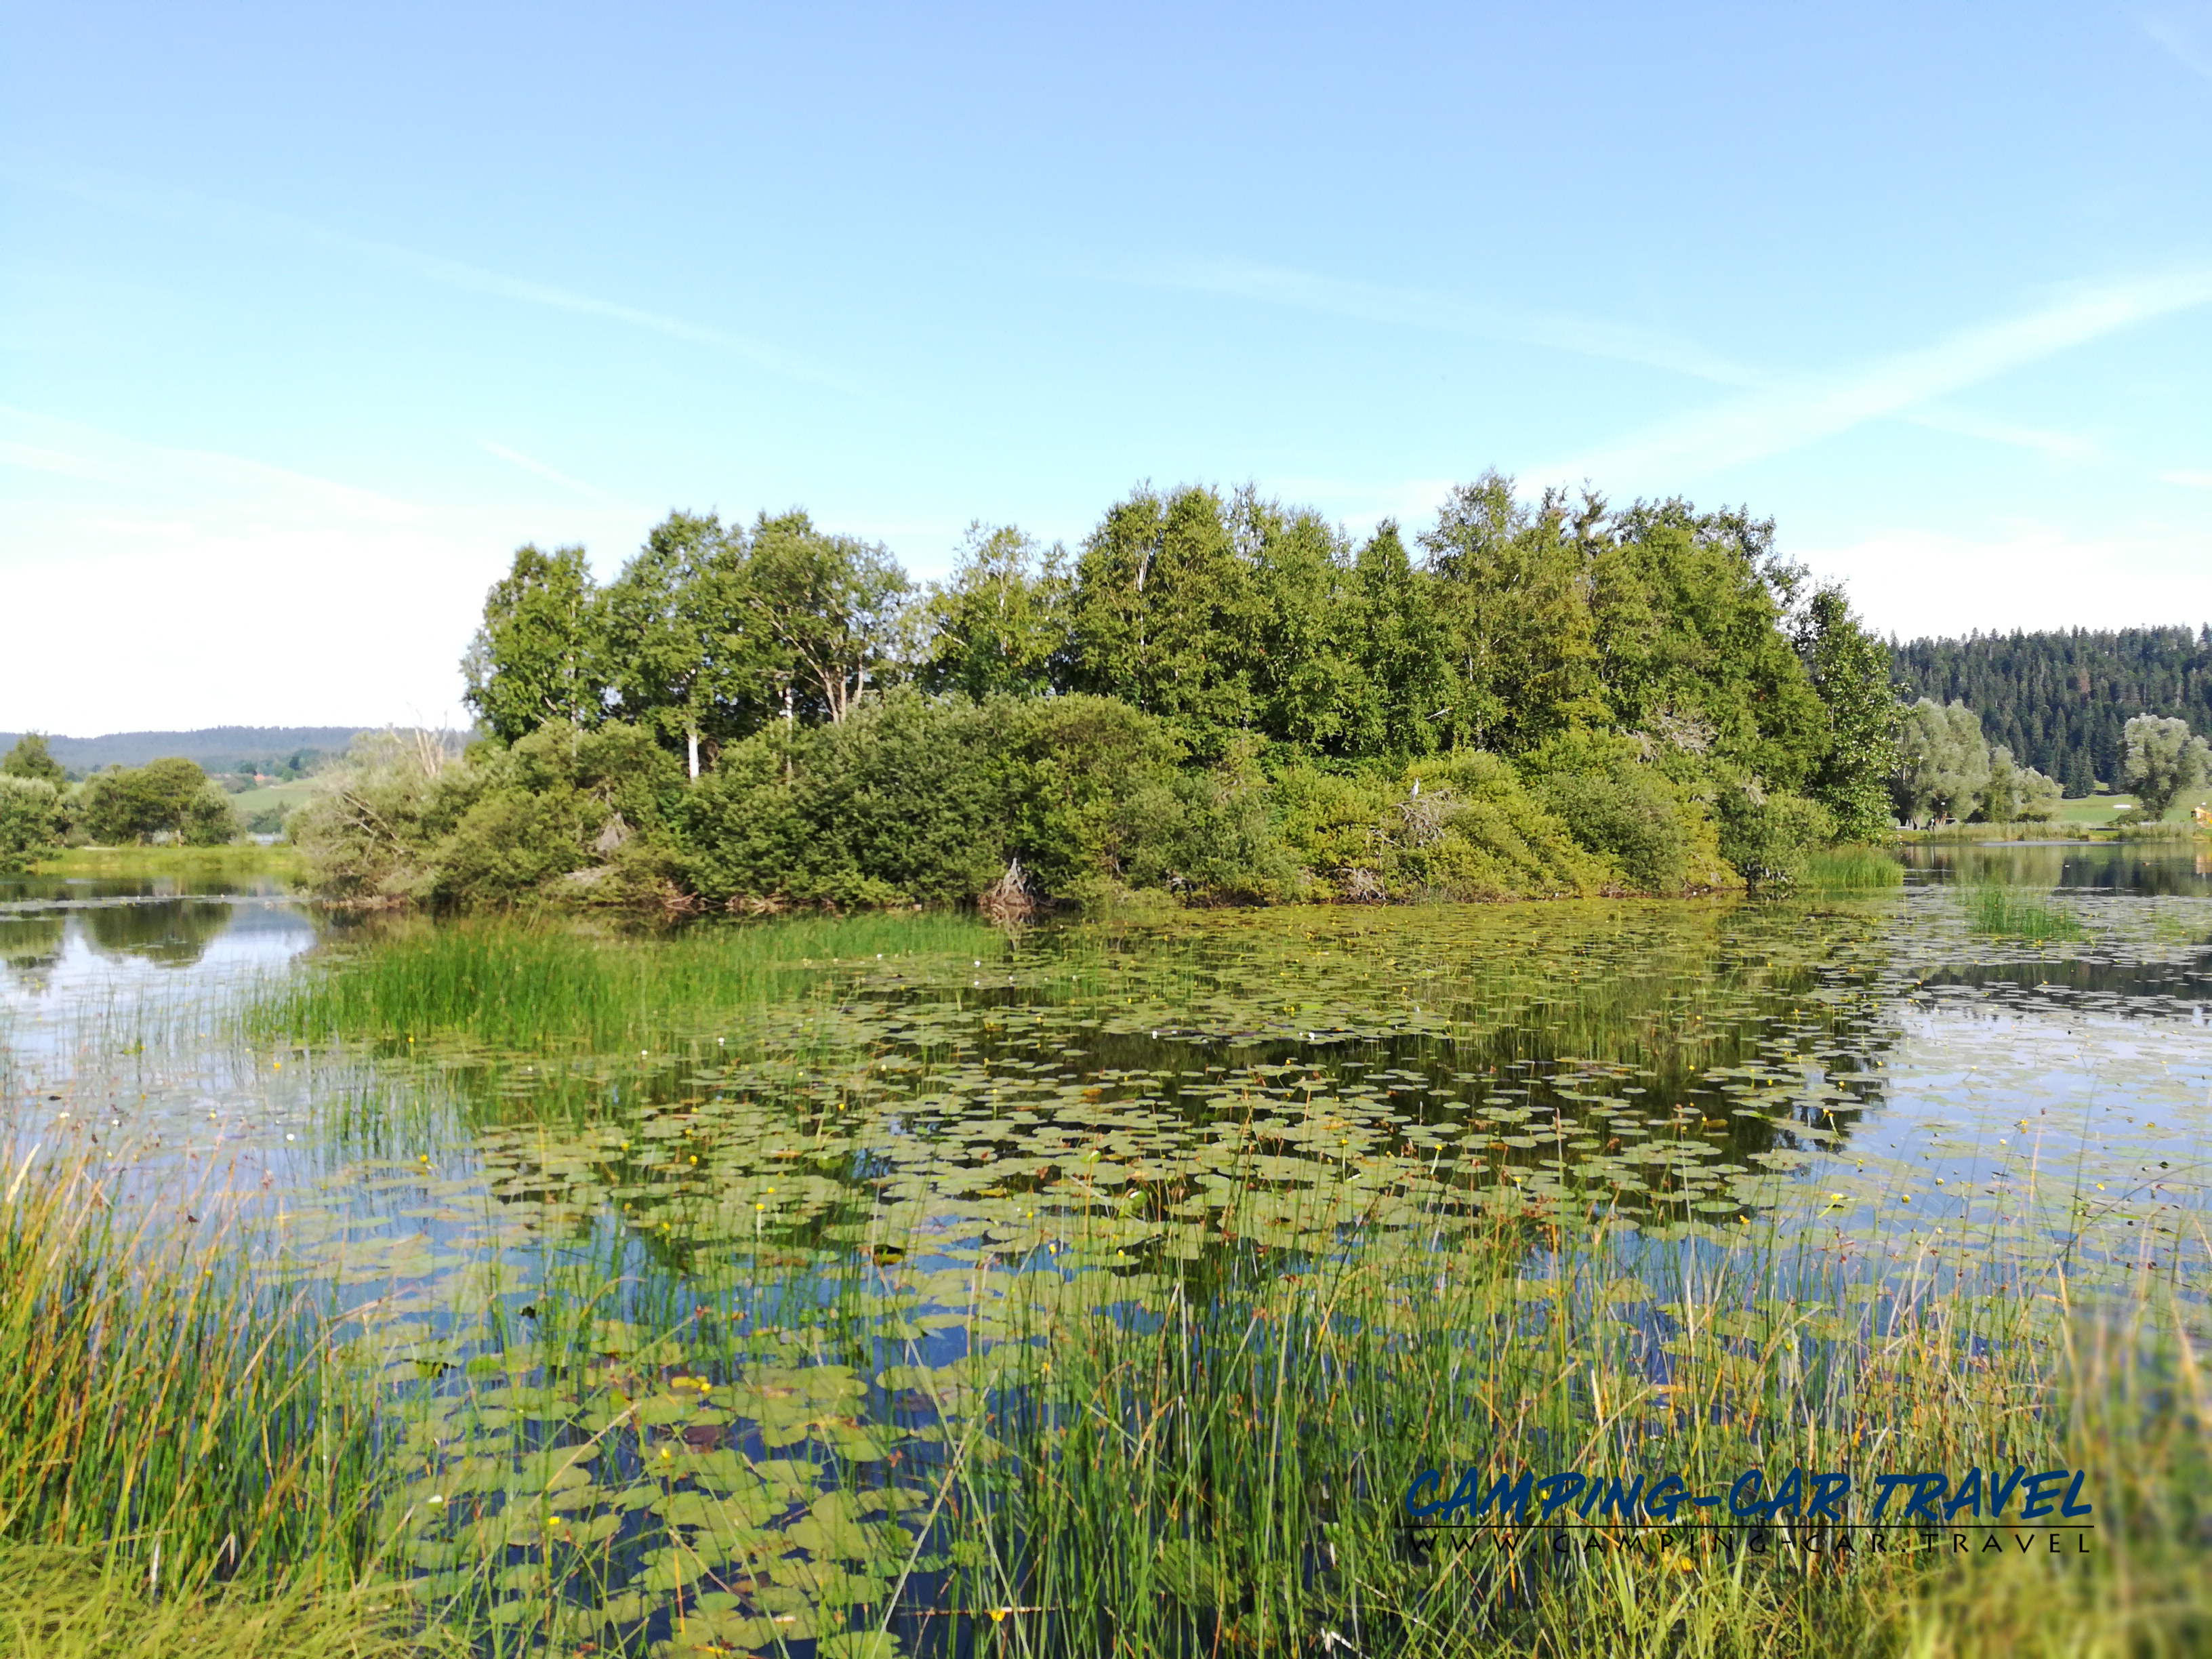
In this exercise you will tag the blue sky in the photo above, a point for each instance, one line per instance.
(309, 315)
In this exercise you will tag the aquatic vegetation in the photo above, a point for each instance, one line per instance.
(2007, 911)
(61, 1604)
(1852, 869)
(520, 985)
(167, 1408)
(1107, 1286)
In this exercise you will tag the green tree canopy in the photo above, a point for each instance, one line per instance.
(830, 609)
(1849, 670)
(171, 797)
(30, 820)
(2162, 761)
(1942, 761)
(539, 654)
(1002, 623)
(30, 758)
(683, 655)
(1169, 616)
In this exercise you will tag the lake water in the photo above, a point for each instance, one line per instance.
(1115, 1103)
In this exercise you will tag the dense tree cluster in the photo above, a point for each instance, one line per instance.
(1214, 693)
(2060, 702)
(1945, 769)
(170, 799)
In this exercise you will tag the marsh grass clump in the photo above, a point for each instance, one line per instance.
(67, 1604)
(164, 1414)
(2007, 913)
(530, 984)
(1851, 869)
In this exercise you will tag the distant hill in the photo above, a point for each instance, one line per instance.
(286, 749)
(2059, 701)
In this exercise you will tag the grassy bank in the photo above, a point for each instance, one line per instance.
(521, 985)
(63, 1604)
(245, 861)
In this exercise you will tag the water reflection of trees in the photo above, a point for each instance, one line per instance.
(175, 932)
(30, 945)
(2152, 869)
(1587, 1028)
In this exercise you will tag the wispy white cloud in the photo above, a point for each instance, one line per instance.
(1806, 411)
(539, 469)
(2188, 477)
(1910, 581)
(231, 591)
(2059, 446)
(2185, 41)
(45, 443)
(192, 207)
(1300, 290)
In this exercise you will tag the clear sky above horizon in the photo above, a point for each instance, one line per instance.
(309, 316)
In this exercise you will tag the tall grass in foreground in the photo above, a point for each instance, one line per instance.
(59, 1604)
(1851, 869)
(161, 1413)
(1228, 1475)
(2008, 913)
(1211, 1456)
(525, 985)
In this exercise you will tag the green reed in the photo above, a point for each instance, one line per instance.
(1851, 869)
(171, 1418)
(2008, 913)
(526, 986)
(61, 1604)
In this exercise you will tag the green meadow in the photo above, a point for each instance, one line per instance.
(899, 1285)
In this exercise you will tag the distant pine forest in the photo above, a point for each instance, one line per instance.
(2059, 701)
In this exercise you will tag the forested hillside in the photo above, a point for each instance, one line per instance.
(285, 751)
(2060, 700)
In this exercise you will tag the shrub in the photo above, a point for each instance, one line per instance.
(919, 799)
(1616, 805)
(1461, 827)
(171, 797)
(30, 820)
(1769, 835)
(402, 819)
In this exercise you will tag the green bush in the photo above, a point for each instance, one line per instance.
(913, 799)
(1630, 811)
(1461, 827)
(901, 802)
(1769, 835)
(30, 820)
(170, 798)
(926, 800)
(579, 813)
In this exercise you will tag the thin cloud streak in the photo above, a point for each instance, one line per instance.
(2178, 44)
(1376, 302)
(192, 207)
(47, 443)
(1791, 418)
(539, 469)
